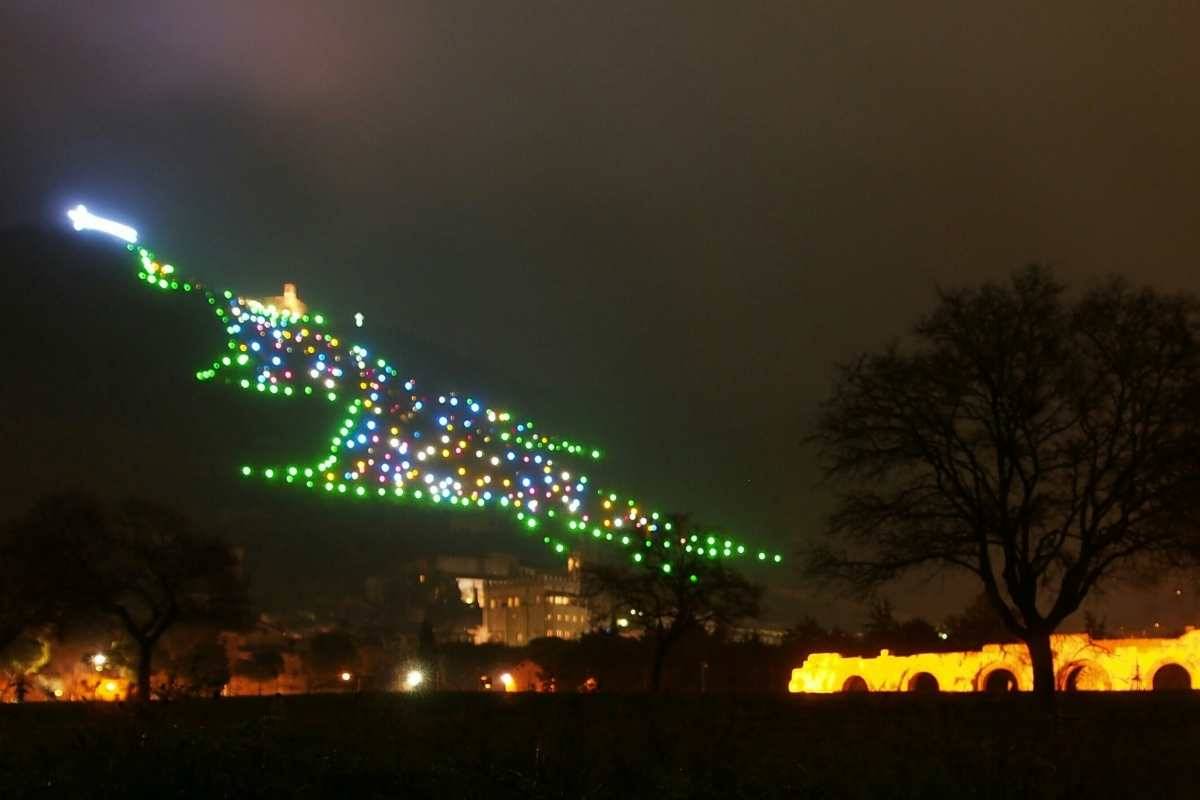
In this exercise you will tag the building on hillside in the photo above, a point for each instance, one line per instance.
(288, 301)
(530, 605)
(471, 573)
(764, 632)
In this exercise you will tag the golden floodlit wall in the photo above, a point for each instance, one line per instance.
(1080, 663)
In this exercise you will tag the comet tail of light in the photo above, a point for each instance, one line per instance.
(84, 220)
(394, 441)
(1080, 664)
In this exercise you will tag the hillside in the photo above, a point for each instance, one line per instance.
(100, 395)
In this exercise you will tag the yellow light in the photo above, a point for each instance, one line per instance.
(509, 683)
(110, 687)
(346, 676)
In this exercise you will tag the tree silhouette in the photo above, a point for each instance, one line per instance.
(141, 564)
(675, 588)
(976, 625)
(329, 654)
(264, 664)
(32, 573)
(1041, 443)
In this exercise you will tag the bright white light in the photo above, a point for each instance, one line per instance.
(99, 660)
(83, 219)
(507, 680)
(358, 320)
(414, 678)
(346, 676)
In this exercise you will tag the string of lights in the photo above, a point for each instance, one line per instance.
(393, 441)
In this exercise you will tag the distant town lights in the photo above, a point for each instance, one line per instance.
(83, 220)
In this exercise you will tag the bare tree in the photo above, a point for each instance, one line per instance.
(141, 564)
(672, 588)
(1040, 442)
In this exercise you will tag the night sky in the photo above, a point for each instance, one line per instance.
(654, 226)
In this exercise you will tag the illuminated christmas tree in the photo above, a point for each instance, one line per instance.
(394, 442)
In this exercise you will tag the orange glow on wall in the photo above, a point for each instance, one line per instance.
(1080, 664)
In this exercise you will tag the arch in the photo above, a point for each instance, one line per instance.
(1171, 677)
(999, 680)
(855, 683)
(1084, 676)
(923, 683)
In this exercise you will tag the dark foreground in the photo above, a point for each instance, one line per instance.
(575, 746)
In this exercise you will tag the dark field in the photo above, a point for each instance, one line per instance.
(578, 746)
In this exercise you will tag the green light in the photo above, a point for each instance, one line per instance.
(666, 568)
(778, 558)
(693, 578)
(637, 557)
(246, 470)
(270, 473)
(762, 556)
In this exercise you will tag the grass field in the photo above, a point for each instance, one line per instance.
(619, 746)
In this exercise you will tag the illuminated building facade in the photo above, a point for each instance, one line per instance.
(288, 301)
(531, 605)
(1080, 664)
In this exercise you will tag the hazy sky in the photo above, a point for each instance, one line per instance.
(659, 222)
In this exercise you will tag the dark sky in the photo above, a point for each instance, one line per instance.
(655, 225)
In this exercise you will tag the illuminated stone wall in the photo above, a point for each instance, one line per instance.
(1080, 663)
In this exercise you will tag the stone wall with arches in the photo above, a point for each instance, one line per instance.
(1081, 664)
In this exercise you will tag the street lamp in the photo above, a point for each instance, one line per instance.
(413, 679)
(346, 676)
